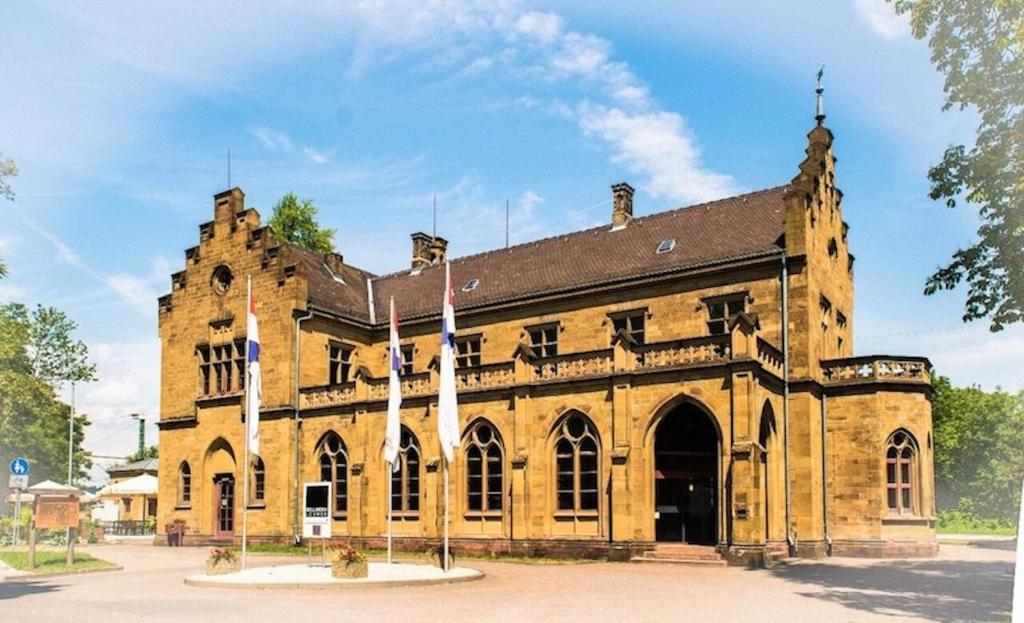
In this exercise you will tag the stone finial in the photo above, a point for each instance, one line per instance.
(420, 251)
(819, 114)
(622, 205)
(228, 203)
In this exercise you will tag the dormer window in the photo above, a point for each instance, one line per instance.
(666, 245)
(471, 285)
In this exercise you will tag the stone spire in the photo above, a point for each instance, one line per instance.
(820, 112)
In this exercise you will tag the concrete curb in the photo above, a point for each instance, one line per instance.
(207, 582)
(28, 576)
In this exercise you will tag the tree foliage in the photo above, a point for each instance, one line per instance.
(295, 221)
(7, 170)
(979, 47)
(979, 450)
(33, 421)
(149, 452)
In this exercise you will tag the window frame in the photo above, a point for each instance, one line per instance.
(485, 476)
(184, 485)
(339, 362)
(409, 503)
(221, 368)
(323, 451)
(257, 482)
(470, 358)
(576, 453)
(904, 482)
(545, 348)
(407, 352)
(627, 318)
(720, 325)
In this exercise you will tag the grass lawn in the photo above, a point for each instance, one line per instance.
(50, 561)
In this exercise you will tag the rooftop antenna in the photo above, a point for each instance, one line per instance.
(506, 222)
(435, 216)
(229, 168)
(820, 115)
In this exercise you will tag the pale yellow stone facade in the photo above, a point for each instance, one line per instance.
(829, 442)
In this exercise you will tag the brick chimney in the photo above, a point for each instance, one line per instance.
(438, 250)
(334, 261)
(420, 251)
(622, 205)
(227, 204)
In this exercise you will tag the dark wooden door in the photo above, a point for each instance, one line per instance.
(224, 506)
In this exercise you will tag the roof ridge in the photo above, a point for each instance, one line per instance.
(580, 232)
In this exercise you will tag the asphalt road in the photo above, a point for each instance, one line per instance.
(963, 583)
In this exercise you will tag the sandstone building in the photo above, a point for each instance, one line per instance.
(686, 377)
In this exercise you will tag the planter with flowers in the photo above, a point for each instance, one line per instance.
(222, 560)
(347, 562)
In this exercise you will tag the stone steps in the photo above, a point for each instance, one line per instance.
(682, 554)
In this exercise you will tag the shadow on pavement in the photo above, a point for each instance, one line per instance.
(940, 590)
(1007, 545)
(13, 590)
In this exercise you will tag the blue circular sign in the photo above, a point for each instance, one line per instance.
(19, 466)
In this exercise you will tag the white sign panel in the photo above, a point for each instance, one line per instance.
(17, 481)
(316, 510)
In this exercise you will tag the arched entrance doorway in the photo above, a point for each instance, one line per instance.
(686, 477)
(220, 472)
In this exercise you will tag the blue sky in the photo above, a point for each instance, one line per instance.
(120, 117)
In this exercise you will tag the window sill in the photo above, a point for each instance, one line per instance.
(339, 517)
(187, 506)
(257, 506)
(483, 515)
(405, 516)
(582, 515)
(214, 399)
(907, 520)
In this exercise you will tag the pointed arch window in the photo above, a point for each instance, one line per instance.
(901, 473)
(576, 465)
(405, 482)
(333, 460)
(184, 484)
(484, 469)
(257, 481)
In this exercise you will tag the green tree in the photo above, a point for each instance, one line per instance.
(979, 47)
(7, 170)
(33, 421)
(150, 452)
(56, 357)
(979, 450)
(295, 221)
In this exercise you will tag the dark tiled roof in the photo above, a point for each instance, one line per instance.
(347, 297)
(727, 229)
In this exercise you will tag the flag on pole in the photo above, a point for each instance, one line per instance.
(392, 430)
(254, 382)
(447, 403)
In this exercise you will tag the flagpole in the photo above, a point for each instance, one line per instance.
(391, 469)
(446, 569)
(245, 432)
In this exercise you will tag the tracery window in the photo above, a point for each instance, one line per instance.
(334, 469)
(484, 483)
(901, 473)
(576, 465)
(221, 368)
(405, 482)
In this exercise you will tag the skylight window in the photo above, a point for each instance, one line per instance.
(666, 245)
(471, 285)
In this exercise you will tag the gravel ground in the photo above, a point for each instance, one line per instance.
(963, 583)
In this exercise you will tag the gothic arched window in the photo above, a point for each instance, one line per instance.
(576, 465)
(405, 482)
(257, 481)
(334, 469)
(184, 484)
(484, 468)
(901, 473)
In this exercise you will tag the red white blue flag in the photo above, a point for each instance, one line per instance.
(393, 427)
(254, 381)
(447, 402)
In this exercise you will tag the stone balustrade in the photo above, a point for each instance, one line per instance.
(692, 351)
(590, 364)
(877, 368)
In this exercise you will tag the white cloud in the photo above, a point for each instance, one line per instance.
(544, 27)
(658, 146)
(271, 139)
(315, 156)
(881, 17)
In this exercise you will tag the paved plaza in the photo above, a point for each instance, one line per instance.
(963, 583)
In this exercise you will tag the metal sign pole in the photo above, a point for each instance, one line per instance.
(17, 517)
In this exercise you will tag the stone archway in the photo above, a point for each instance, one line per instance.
(686, 476)
(219, 473)
(767, 438)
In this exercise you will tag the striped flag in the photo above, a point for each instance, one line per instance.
(392, 429)
(447, 402)
(254, 380)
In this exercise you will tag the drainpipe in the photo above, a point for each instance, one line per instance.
(824, 471)
(296, 535)
(785, 403)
